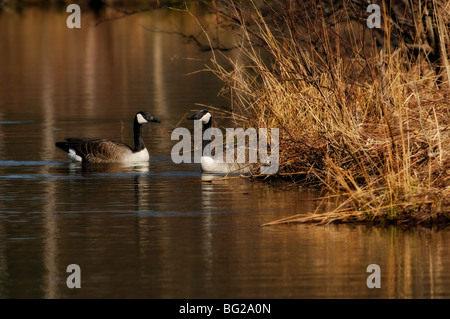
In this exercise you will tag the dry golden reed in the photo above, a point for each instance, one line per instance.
(363, 113)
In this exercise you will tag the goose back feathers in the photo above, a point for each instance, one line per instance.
(107, 151)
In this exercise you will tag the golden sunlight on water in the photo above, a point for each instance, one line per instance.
(160, 230)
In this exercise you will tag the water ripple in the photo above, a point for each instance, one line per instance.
(28, 163)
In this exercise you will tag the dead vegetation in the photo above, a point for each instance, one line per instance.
(364, 113)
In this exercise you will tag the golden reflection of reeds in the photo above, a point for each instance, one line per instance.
(51, 284)
(4, 273)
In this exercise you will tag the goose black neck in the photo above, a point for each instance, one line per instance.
(138, 141)
(205, 127)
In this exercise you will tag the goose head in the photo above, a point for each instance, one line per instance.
(202, 115)
(145, 117)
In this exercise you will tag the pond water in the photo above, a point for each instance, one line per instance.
(160, 230)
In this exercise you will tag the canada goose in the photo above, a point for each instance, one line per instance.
(106, 151)
(208, 163)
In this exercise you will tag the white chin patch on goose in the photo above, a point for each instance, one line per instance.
(73, 156)
(205, 118)
(141, 119)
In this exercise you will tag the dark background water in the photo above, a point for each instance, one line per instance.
(158, 230)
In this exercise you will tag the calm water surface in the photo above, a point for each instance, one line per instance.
(159, 230)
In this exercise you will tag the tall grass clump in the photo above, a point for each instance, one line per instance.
(363, 113)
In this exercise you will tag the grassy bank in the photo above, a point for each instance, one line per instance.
(363, 113)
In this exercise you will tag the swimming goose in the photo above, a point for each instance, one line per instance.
(208, 163)
(106, 151)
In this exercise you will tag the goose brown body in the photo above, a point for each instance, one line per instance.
(88, 150)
